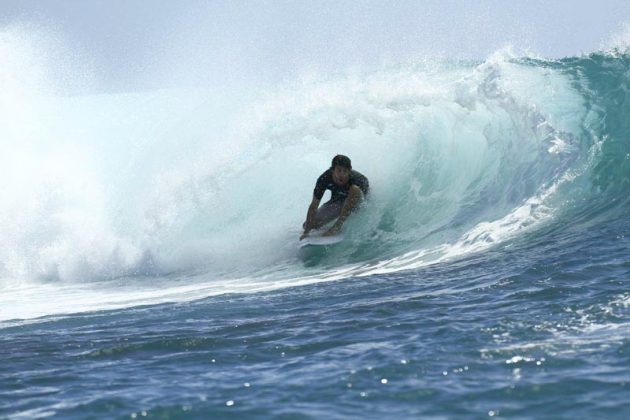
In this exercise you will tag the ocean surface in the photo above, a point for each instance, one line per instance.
(149, 262)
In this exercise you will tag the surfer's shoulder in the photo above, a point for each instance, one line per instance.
(360, 180)
(326, 176)
(356, 174)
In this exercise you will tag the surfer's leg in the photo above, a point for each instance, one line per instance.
(351, 204)
(327, 213)
(339, 210)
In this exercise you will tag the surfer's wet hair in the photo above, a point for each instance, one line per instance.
(341, 160)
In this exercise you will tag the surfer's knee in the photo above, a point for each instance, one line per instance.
(355, 195)
(354, 191)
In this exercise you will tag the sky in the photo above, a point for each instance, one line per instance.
(126, 44)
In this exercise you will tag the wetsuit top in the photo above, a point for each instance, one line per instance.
(325, 182)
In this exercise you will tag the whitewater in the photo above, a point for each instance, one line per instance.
(149, 262)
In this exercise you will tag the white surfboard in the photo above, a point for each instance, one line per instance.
(320, 240)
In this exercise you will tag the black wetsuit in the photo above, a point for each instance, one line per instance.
(332, 208)
(339, 193)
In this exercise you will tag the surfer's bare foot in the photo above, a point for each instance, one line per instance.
(332, 231)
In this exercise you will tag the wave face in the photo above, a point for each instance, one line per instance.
(199, 192)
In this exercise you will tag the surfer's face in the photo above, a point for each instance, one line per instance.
(341, 175)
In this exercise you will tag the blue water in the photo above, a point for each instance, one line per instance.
(150, 264)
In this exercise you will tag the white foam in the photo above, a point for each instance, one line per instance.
(619, 42)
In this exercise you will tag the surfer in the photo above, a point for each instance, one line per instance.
(347, 188)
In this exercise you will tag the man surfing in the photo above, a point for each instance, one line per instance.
(347, 187)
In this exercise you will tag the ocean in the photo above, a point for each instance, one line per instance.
(149, 263)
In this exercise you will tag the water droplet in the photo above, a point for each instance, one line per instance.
(445, 373)
(363, 394)
(229, 403)
(247, 385)
(491, 413)
(384, 381)
(403, 361)
(516, 373)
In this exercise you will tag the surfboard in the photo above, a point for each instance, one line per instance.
(320, 240)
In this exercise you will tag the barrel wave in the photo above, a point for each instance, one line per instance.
(189, 193)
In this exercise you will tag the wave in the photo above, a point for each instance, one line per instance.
(181, 184)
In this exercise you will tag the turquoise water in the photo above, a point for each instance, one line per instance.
(149, 268)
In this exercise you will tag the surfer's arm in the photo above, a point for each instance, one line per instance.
(350, 204)
(310, 216)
